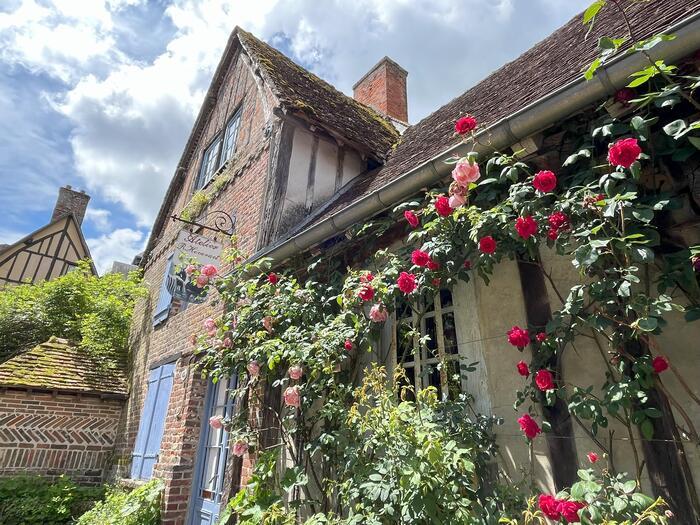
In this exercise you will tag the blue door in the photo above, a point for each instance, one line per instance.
(155, 408)
(211, 456)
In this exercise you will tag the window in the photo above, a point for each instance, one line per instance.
(219, 151)
(210, 163)
(152, 424)
(162, 309)
(231, 136)
(434, 318)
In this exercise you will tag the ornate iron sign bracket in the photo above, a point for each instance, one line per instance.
(219, 221)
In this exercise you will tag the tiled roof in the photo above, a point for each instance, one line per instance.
(549, 65)
(303, 93)
(58, 364)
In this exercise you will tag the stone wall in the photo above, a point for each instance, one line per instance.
(57, 433)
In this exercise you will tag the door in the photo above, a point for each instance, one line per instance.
(211, 456)
(155, 408)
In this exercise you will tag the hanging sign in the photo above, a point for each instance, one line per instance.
(191, 248)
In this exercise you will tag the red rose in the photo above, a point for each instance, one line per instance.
(659, 364)
(526, 226)
(442, 206)
(348, 345)
(467, 265)
(436, 282)
(541, 337)
(367, 278)
(518, 337)
(433, 265)
(487, 244)
(592, 457)
(558, 220)
(272, 278)
(412, 218)
(545, 181)
(420, 258)
(544, 380)
(624, 95)
(548, 506)
(406, 282)
(552, 233)
(523, 369)
(624, 152)
(569, 510)
(529, 426)
(465, 125)
(366, 292)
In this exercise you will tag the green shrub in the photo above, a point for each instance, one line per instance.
(34, 500)
(140, 506)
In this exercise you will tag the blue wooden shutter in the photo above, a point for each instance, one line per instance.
(162, 309)
(155, 408)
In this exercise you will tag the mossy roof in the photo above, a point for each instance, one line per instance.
(301, 92)
(549, 65)
(59, 364)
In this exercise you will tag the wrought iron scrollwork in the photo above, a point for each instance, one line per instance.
(216, 221)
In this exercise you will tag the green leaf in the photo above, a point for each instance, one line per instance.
(695, 141)
(592, 68)
(647, 429)
(647, 324)
(675, 129)
(592, 10)
(629, 486)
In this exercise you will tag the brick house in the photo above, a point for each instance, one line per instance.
(298, 163)
(60, 410)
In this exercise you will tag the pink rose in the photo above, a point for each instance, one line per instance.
(295, 372)
(292, 397)
(253, 368)
(202, 280)
(457, 200)
(209, 324)
(190, 269)
(412, 218)
(227, 343)
(216, 422)
(239, 448)
(267, 323)
(378, 313)
(465, 172)
(209, 270)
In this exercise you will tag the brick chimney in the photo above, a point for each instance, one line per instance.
(70, 201)
(384, 89)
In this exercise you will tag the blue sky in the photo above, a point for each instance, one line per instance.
(101, 95)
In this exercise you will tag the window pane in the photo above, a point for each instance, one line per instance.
(404, 342)
(210, 163)
(408, 394)
(450, 333)
(403, 309)
(430, 330)
(445, 298)
(231, 136)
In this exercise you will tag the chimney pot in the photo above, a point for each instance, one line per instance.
(383, 88)
(70, 201)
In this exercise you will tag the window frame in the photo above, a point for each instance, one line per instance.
(228, 150)
(204, 176)
(425, 361)
(226, 147)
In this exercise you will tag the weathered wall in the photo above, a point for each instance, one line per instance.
(55, 433)
(168, 342)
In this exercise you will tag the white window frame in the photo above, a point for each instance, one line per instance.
(210, 163)
(429, 358)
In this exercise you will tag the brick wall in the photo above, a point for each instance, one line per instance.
(52, 434)
(168, 342)
(384, 89)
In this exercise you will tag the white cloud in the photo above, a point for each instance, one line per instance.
(99, 217)
(119, 245)
(131, 117)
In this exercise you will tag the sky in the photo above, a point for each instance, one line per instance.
(102, 94)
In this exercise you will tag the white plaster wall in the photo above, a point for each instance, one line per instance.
(298, 169)
(353, 165)
(326, 170)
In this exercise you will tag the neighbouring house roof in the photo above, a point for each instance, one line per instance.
(552, 63)
(299, 93)
(61, 365)
(46, 253)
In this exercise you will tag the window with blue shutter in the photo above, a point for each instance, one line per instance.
(155, 408)
(162, 309)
